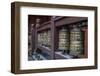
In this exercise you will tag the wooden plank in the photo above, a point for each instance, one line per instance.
(59, 55)
(66, 21)
(44, 27)
(45, 49)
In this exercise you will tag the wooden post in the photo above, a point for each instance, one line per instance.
(85, 30)
(36, 34)
(33, 36)
(85, 42)
(30, 39)
(53, 38)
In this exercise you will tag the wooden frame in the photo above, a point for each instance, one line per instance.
(15, 37)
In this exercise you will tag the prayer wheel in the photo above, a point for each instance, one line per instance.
(63, 39)
(76, 42)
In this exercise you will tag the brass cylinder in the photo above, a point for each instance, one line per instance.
(63, 39)
(76, 43)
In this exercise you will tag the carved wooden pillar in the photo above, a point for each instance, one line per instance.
(85, 53)
(33, 36)
(36, 33)
(30, 40)
(53, 38)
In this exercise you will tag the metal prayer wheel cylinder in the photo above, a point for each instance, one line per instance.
(63, 39)
(49, 39)
(76, 43)
(39, 40)
(44, 38)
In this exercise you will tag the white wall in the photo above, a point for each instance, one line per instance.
(5, 42)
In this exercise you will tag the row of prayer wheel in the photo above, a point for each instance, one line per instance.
(71, 41)
(44, 38)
